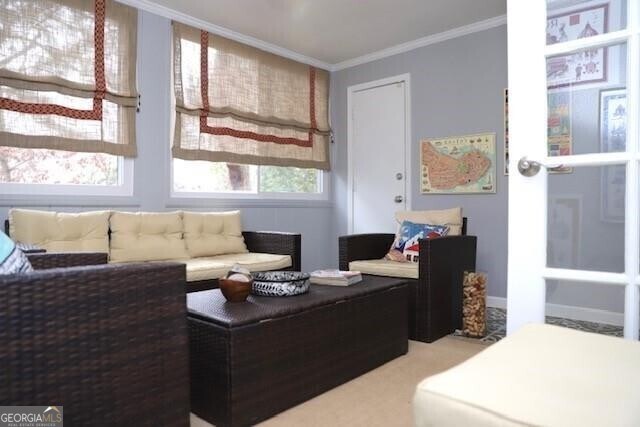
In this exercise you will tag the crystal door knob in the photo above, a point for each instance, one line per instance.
(398, 199)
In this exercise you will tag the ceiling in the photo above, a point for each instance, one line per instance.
(333, 31)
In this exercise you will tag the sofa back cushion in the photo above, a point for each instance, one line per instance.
(451, 218)
(146, 236)
(61, 232)
(213, 233)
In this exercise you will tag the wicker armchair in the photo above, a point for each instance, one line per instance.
(435, 298)
(107, 342)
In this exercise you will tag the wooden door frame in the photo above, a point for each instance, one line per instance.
(351, 90)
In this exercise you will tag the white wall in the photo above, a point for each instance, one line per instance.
(151, 170)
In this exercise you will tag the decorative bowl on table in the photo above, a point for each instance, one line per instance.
(236, 285)
(280, 283)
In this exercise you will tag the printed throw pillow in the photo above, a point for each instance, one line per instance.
(405, 246)
(12, 260)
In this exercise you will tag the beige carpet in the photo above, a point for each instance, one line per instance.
(381, 397)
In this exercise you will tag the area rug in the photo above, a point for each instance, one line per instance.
(381, 397)
(497, 325)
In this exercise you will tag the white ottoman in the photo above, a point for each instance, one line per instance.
(542, 375)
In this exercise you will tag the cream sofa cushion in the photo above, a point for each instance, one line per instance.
(146, 236)
(449, 217)
(217, 266)
(213, 233)
(542, 375)
(61, 232)
(385, 267)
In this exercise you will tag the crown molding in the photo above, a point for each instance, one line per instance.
(175, 15)
(422, 42)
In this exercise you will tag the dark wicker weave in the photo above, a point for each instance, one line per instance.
(65, 260)
(267, 242)
(435, 298)
(107, 342)
(252, 360)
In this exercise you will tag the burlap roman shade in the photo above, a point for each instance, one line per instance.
(68, 75)
(239, 104)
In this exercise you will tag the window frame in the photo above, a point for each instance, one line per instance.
(123, 189)
(322, 195)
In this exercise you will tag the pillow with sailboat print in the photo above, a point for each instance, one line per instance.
(405, 246)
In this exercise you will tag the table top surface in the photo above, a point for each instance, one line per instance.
(211, 306)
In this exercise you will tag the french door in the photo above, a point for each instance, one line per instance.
(574, 70)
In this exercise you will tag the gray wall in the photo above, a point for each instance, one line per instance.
(151, 180)
(456, 88)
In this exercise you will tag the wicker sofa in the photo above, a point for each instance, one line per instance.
(208, 243)
(94, 339)
(435, 284)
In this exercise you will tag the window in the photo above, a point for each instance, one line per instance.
(68, 97)
(211, 178)
(247, 121)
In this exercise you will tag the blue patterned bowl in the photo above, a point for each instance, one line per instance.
(280, 283)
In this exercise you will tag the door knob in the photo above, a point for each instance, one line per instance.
(531, 168)
(528, 167)
(399, 176)
(398, 199)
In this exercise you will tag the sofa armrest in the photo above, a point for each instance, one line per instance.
(273, 242)
(124, 327)
(443, 262)
(357, 247)
(42, 261)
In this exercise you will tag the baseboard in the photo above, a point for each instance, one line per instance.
(570, 312)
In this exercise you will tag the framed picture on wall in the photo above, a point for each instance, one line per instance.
(506, 131)
(559, 126)
(565, 223)
(613, 138)
(458, 164)
(587, 66)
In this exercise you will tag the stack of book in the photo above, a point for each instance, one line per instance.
(335, 277)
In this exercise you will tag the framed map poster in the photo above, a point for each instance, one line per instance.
(583, 67)
(458, 165)
(613, 138)
(559, 126)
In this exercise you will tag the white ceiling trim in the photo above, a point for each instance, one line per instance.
(224, 32)
(173, 14)
(424, 41)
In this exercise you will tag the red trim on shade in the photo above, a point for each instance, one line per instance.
(96, 112)
(58, 110)
(226, 131)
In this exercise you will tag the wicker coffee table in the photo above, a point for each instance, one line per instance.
(252, 360)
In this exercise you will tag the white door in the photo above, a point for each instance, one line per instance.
(573, 102)
(378, 138)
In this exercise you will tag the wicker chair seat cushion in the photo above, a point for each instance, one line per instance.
(212, 307)
(61, 232)
(208, 268)
(147, 236)
(452, 218)
(213, 233)
(385, 267)
(542, 375)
